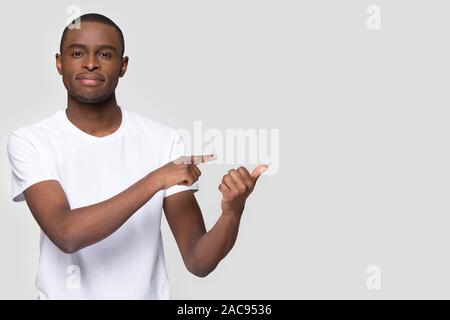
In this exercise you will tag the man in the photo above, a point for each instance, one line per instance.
(97, 176)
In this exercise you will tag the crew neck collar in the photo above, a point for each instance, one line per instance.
(91, 137)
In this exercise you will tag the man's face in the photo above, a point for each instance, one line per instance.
(90, 62)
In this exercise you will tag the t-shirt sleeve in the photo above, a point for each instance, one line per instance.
(178, 150)
(27, 166)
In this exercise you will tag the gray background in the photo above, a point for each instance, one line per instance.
(363, 118)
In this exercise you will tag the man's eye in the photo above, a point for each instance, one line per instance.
(77, 54)
(105, 55)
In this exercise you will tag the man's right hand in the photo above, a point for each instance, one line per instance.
(73, 229)
(182, 171)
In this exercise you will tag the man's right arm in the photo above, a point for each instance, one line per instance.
(74, 229)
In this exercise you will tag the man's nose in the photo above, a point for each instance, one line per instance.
(91, 62)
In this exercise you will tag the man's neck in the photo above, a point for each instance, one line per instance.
(97, 119)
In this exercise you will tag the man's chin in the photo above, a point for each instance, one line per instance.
(90, 99)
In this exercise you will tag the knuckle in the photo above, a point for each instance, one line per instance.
(181, 159)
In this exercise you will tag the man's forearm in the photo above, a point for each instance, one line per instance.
(88, 225)
(214, 245)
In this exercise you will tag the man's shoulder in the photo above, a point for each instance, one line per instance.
(39, 129)
(37, 136)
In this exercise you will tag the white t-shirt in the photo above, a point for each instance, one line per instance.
(130, 263)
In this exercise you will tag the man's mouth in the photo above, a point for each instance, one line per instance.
(90, 80)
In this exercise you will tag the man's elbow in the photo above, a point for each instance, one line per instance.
(67, 248)
(200, 272)
(68, 243)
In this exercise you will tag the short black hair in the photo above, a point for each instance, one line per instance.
(94, 17)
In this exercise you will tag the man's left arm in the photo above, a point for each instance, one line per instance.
(202, 251)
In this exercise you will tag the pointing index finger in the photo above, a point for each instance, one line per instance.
(203, 158)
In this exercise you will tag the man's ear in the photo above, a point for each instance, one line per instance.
(58, 63)
(123, 66)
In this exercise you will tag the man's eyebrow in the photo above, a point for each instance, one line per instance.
(83, 46)
(107, 46)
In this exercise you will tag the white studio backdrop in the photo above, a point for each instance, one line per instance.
(358, 92)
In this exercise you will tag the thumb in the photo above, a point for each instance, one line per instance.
(258, 171)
